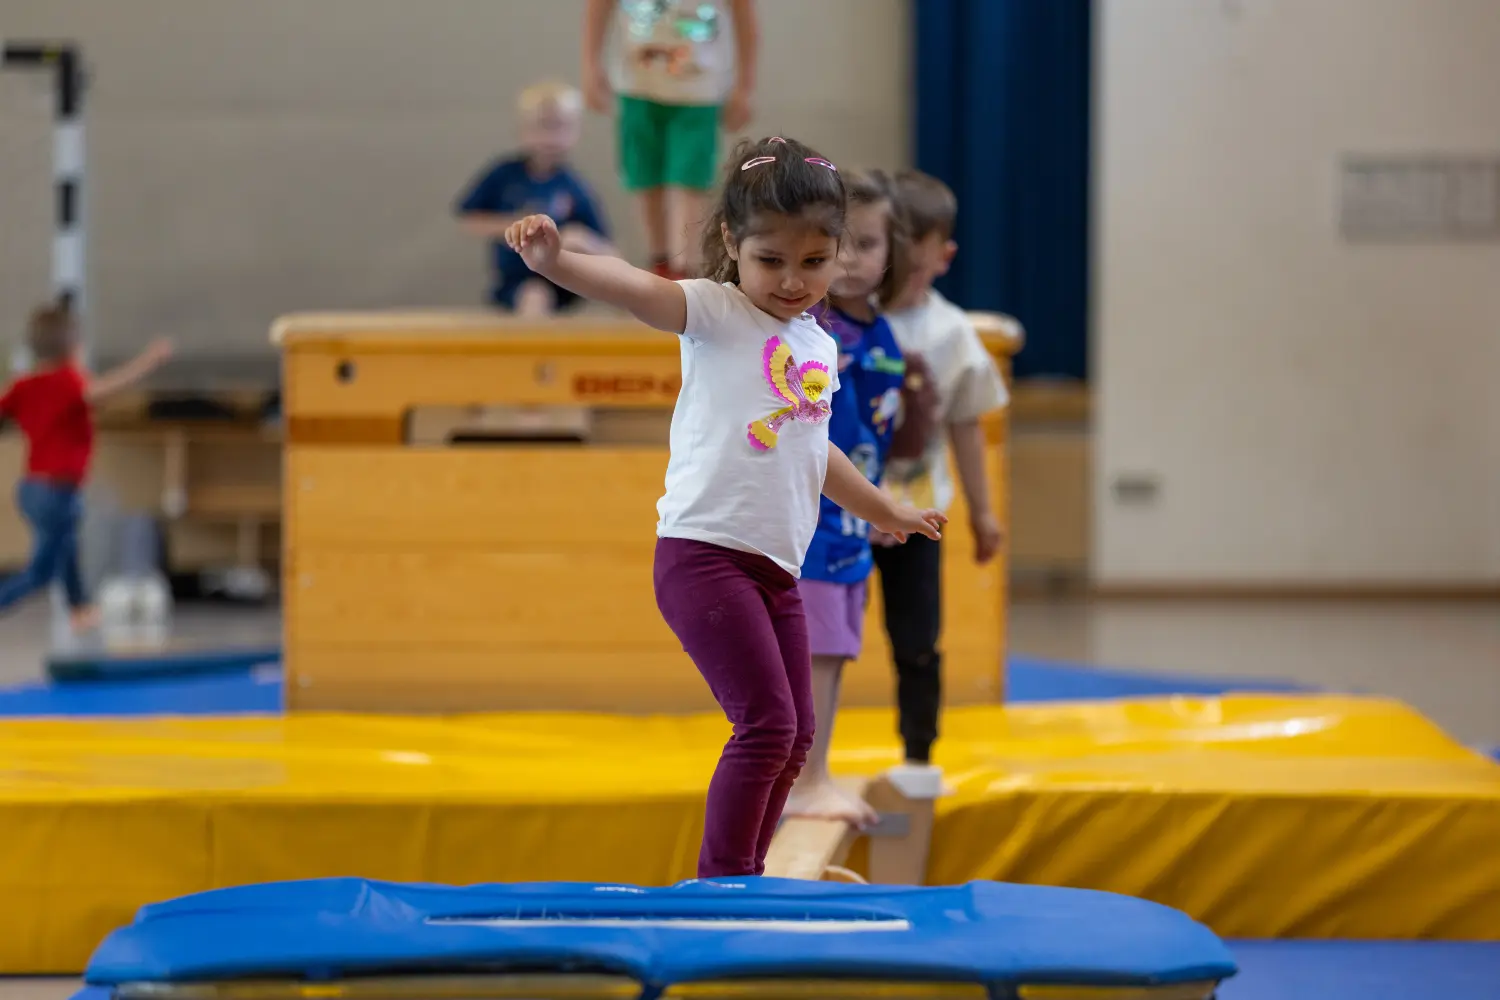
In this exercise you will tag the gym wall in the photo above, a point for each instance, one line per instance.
(253, 158)
(1312, 410)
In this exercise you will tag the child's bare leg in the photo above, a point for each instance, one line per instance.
(685, 211)
(535, 298)
(816, 794)
(653, 207)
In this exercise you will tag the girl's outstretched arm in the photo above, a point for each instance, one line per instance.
(847, 486)
(653, 300)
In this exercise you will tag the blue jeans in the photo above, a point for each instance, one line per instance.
(54, 512)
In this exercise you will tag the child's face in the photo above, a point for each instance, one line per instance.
(786, 269)
(930, 258)
(864, 251)
(549, 134)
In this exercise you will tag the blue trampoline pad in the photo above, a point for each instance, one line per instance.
(1364, 970)
(696, 932)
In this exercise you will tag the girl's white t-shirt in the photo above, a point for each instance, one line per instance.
(750, 429)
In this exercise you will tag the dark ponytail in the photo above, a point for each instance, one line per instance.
(793, 183)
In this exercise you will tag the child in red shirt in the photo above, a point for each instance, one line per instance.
(53, 407)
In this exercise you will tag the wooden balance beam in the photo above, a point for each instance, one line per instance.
(469, 502)
(816, 849)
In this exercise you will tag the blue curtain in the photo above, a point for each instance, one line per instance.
(1002, 115)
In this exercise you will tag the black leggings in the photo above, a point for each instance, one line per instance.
(911, 585)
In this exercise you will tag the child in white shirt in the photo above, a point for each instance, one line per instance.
(749, 459)
(936, 335)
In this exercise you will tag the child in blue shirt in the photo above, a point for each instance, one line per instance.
(538, 182)
(866, 408)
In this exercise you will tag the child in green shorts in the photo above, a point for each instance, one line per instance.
(680, 70)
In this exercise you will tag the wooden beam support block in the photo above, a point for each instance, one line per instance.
(904, 797)
(907, 794)
(806, 848)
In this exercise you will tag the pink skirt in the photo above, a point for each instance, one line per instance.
(835, 617)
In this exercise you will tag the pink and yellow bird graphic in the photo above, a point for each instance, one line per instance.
(802, 386)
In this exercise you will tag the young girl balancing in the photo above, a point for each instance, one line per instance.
(749, 459)
(874, 258)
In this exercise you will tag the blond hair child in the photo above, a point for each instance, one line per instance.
(536, 181)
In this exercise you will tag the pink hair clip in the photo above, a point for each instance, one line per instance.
(777, 138)
(760, 160)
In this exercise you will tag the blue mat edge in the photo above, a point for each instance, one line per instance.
(249, 681)
(92, 666)
(1297, 970)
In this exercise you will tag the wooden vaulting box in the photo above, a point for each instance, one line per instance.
(469, 516)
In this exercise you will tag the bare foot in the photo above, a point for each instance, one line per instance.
(84, 619)
(868, 816)
(826, 800)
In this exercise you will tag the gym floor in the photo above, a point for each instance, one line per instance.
(1443, 658)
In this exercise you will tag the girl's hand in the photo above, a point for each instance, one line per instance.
(536, 239)
(902, 521)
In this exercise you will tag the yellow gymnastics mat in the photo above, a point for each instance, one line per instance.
(1264, 816)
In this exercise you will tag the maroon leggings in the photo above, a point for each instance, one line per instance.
(739, 616)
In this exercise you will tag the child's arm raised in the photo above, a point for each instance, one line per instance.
(847, 486)
(653, 300)
(131, 372)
